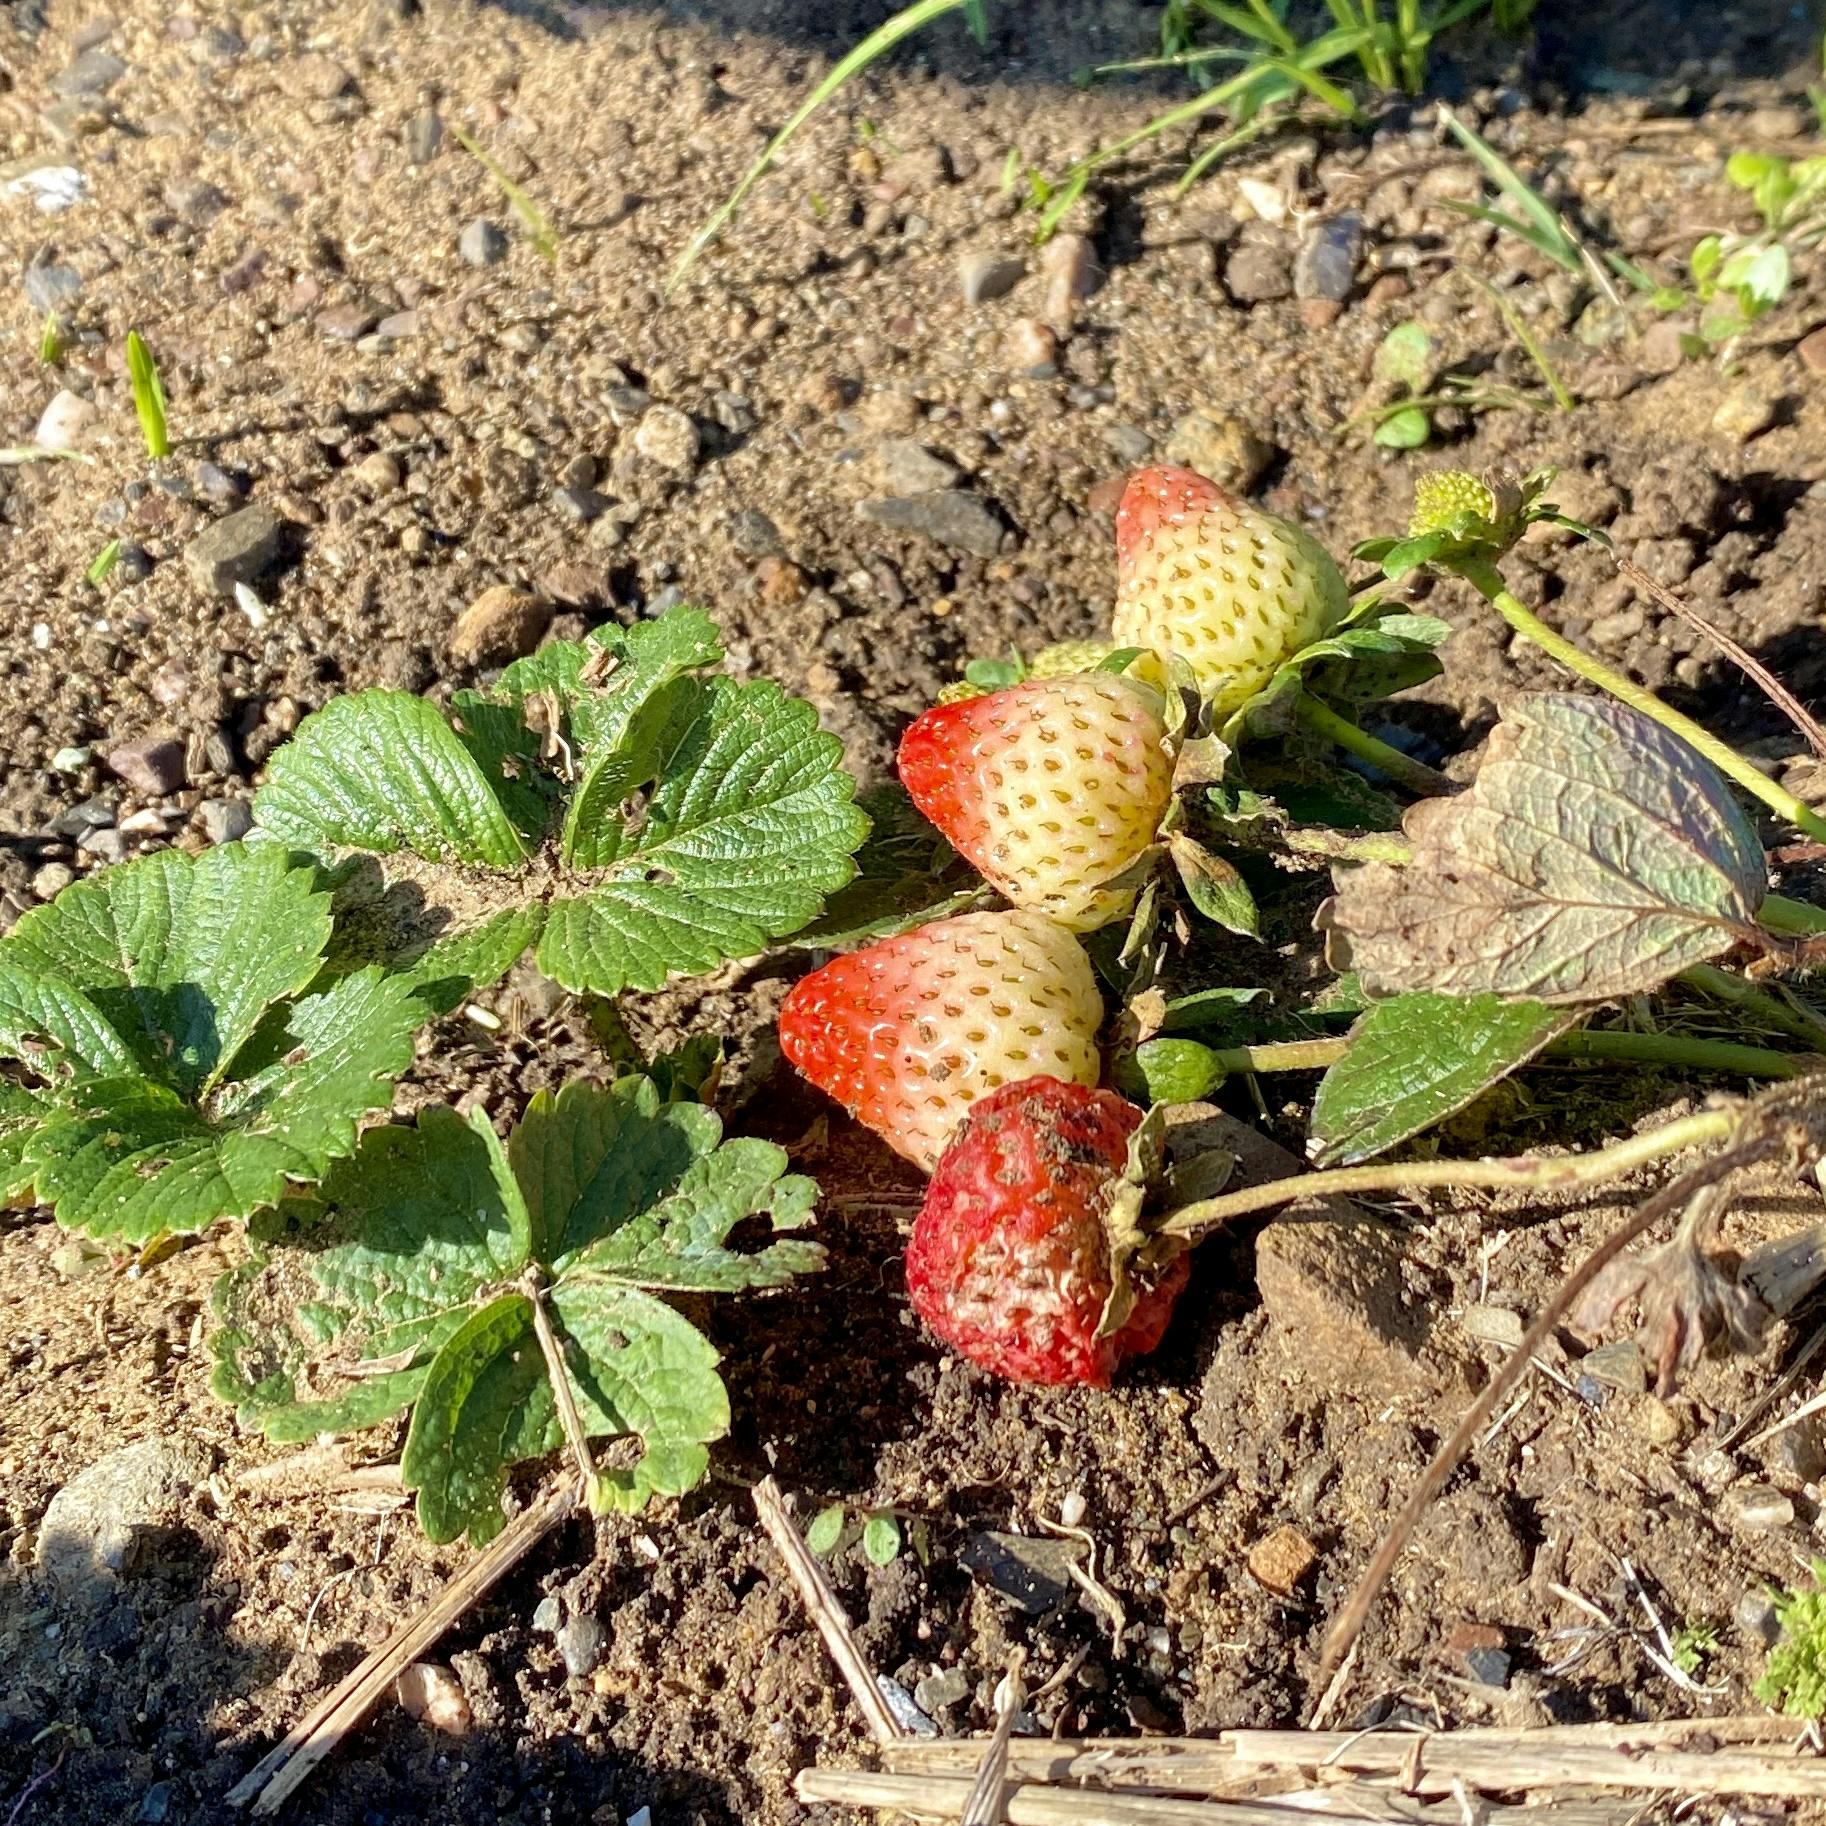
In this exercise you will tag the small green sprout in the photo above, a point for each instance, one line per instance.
(50, 341)
(105, 560)
(1740, 278)
(1694, 1645)
(148, 396)
(1794, 1678)
(833, 1529)
(537, 223)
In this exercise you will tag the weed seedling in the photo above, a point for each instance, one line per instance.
(148, 396)
(1795, 1677)
(101, 568)
(50, 342)
(1740, 278)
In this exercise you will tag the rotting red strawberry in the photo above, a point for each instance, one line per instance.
(1010, 1259)
(1051, 788)
(1232, 589)
(909, 1032)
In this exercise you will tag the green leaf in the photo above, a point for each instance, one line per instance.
(881, 1539)
(1178, 1071)
(1404, 357)
(826, 1530)
(1418, 1058)
(1706, 258)
(179, 958)
(407, 1236)
(131, 1158)
(1207, 1007)
(1596, 856)
(746, 831)
(382, 771)
(1410, 554)
(22, 1112)
(1758, 276)
(1214, 887)
(1409, 428)
(414, 1282)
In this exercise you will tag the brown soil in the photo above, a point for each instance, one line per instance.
(254, 211)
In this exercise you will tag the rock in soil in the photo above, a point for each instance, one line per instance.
(240, 548)
(94, 1526)
(501, 624)
(983, 274)
(947, 516)
(1219, 445)
(152, 766)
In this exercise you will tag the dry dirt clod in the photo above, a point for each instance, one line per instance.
(501, 624)
(96, 1524)
(1282, 1559)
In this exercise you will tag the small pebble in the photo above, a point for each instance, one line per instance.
(1219, 445)
(501, 624)
(153, 765)
(1072, 1507)
(424, 134)
(983, 274)
(1030, 347)
(1760, 1508)
(903, 466)
(580, 504)
(1283, 1559)
(482, 243)
(1755, 1616)
(225, 820)
(945, 1687)
(1257, 274)
(1326, 266)
(548, 1615)
(667, 437)
(51, 880)
(1743, 413)
(63, 423)
(432, 1694)
(582, 1642)
(1811, 348)
(379, 472)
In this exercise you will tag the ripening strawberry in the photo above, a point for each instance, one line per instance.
(1051, 788)
(909, 1032)
(1009, 1262)
(1230, 588)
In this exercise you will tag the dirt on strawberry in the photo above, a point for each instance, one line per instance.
(876, 432)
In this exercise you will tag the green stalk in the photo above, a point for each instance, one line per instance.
(1785, 1015)
(1416, 776)
(1682, 1049)
(1535, 1172)
(1792, 918)
(1487, 580)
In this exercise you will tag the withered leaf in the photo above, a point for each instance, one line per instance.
(1596, 856)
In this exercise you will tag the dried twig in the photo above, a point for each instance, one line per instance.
(1732, 1756)
(285, 1767)
(818, 1597)
(985, 1800)
(38, 1781)
(1740, 656)
(1349, 1625)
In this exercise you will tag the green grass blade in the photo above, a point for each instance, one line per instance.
(105, 561)
(878, 43)
(976, 17)
(1220, 148)
(1518, 328)
(537, 224)
(1262, 27)
(1515, 187)
(50, 341)
(148, 396)
(1320, 88)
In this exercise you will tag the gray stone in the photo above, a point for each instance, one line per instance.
(94, 1525)
(948, 516)
(582, 1643)
(424, 134)
(346, 322)
(1258, 274)
(986, 273)
(1755, 1616)
(225, 820)
(906, 467)
(51, 880)
(668, 437)
(109, 846)
(86, 815)
(1326, 266)
(93, 73)
(1129, 442)
(482, 243)
(947, 1687)
(240, 548)
(155, 1804)
(1221, 447)
(1033, 1575)
(1757, 1508)
(755, 535)
(48, 287)
(152, 765)
(580, 504)
(906, 1709)
(548, 1616)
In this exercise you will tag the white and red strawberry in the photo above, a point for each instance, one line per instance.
(908, 1033)
(1050, 788)
(1230, 588)
(1011, 1262)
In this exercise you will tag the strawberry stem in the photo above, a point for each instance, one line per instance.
(1785, 1013)
(1404, 770)
(1536, 1172)
(1487, 580)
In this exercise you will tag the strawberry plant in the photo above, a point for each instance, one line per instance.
(515, 1296)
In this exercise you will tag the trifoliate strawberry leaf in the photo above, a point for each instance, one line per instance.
(22, 1112)
(414, 1283)
(1417, 1059)
(186, 1078)
(1596, 856)
(641, 819)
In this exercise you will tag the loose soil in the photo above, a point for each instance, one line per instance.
(265, 205)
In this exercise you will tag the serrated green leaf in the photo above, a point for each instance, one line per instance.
(510, 755)
(881, 1539)
(22, 1113)
(457, 966)
(56, 1029)
(382, 771)
(131, 1158)
(1409, 554)
(1597, 855)
(739, 842)
(826, 1530)
(1415, 1060)
(180, 958)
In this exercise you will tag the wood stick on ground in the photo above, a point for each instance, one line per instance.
(1736, 1756)
(942, 1797)
(820, 1600)
(1342, 1636)
(286, 1766)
